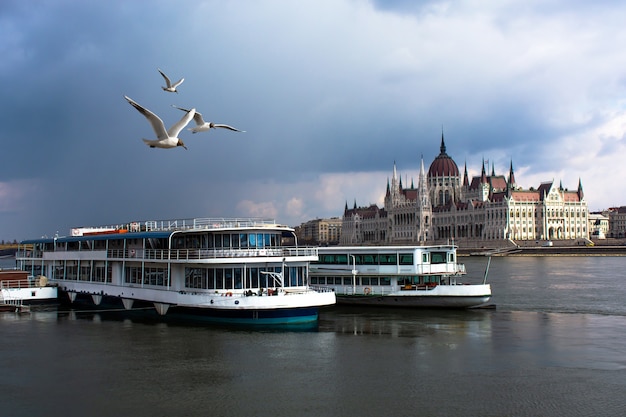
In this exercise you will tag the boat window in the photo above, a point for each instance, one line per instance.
(406, 259)
(219, 279)
(388, 259)
(365, 280)
(366, 259)
(438, 257)
(374, 280)
(253, 281)
(252, 240)
(425, 257)
(341, 259)
(325, 259)
(451, 257)
(337, 280)
(238, 278)
(385, 281)
(193, 278)
(210, 278)
(432, 279)
(314, 280)
(228, 278)
(347, 281)
(243, 240)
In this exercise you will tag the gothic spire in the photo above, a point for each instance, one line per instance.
(511, 176)
(581, 194)
(395, 172)
(483, 174)
(465, 177)
(442, 148)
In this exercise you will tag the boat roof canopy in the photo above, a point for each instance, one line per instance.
(107, 236)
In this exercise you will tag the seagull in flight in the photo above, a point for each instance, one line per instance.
(170, 87)
(202, 126)
(165, 138)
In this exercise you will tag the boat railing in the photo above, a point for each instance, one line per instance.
(204, 223)
(197, 254)
(19, 283)
(445, 268)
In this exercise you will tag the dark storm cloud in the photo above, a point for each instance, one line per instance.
(330, 94)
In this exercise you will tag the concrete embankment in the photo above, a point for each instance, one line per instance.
(548, 251)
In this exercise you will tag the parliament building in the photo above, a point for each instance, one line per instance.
(449, 206)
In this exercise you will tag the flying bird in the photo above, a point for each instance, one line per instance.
(165, 138)
(202, 126)
(170, 87)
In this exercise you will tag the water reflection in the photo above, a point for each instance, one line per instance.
(401, 322)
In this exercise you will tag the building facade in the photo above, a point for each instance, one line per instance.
(617, 222)
(320, 231)
(447, 205)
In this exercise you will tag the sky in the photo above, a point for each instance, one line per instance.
(331, 93)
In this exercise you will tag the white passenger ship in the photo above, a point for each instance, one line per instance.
(399, 276)
(222, 270)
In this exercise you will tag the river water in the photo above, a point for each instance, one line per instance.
(555, 345)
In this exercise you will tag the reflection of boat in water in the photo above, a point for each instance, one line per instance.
(383, 321)
(398, 276)
(18, 289)
(222, 270)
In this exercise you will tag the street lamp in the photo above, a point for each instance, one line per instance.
(354, 271)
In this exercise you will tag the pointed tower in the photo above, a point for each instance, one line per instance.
(396, 187)
(465, 177)
(484, 184)
(581, 194)
(424, 207)
(512, 184)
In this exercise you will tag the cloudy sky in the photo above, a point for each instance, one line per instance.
(330, 93)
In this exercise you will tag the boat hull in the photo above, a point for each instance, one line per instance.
(234, 310)
(442, 296)
(30, 296)
(414, 301)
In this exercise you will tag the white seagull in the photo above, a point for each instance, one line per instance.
(170, 87)
(202, 126)
(165, 138)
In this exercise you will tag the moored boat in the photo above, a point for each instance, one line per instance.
(17, 289)
(397, 276)
(236, 271)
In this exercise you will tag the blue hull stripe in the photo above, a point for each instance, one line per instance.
(280, 316)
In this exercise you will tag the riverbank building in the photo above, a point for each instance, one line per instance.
(446, 205)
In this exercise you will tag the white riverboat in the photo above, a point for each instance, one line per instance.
(398, 276)
(238, 271)
(18, 289)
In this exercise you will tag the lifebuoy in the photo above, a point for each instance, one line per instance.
(229, 294)
(367, 290)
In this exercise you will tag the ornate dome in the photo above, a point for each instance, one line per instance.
(443, 165)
